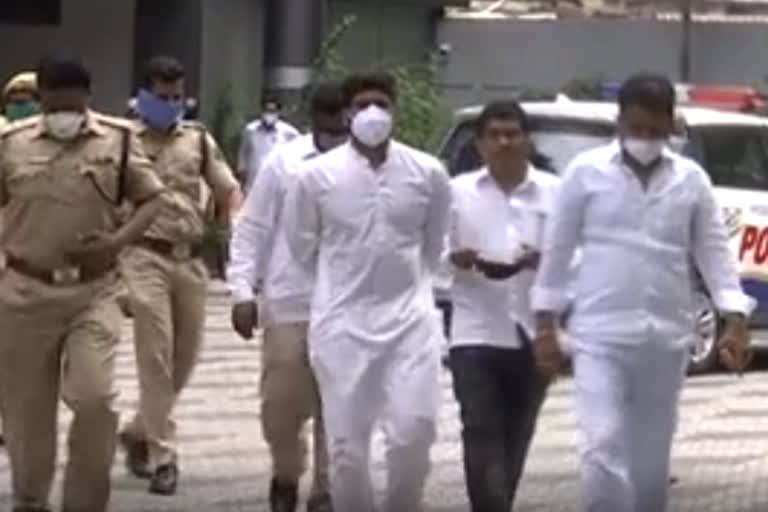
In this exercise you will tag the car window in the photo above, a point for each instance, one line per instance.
(556, 142)
(734, 156)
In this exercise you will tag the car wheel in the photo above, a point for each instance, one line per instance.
(703, 350)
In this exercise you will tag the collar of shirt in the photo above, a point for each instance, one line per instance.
(142, 129)
(528, 184)
(359, 158)
(91, 126)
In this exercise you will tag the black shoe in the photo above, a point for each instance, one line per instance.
(283, 497)
(165, 480)
(673, 480)
(2, 440)
(136, 455)
(320, 503)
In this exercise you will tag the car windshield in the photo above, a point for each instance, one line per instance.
(734, 156)
(556, 143)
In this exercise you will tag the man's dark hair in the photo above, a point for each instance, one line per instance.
(270, 100)
(649, 91)
(376, 81)
(326, 98)
(506, 110)
(60, 72)
(162, 69)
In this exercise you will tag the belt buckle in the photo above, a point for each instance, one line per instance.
(66, 275)
(181, 251)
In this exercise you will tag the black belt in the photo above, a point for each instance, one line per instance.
(61, 276)
(179, 251)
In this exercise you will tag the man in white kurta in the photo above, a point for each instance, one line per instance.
(369, 220)
(259, 252)
(638, 212)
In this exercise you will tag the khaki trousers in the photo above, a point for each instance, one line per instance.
(289, 398)
(59, 341)
(168, 305)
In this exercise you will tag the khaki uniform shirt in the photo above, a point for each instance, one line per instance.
(53, 192)
(178, 159)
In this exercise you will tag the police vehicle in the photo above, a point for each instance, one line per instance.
(731, 146)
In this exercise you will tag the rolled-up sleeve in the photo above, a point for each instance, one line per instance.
(438, 219)
(254, 231)
(302, 220)
(562, 237)
(714, 258)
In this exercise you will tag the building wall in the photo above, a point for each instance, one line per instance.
(385, 31)
(232, 57)
(99, 31)
(490, 58)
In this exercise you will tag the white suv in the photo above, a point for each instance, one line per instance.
(733, 148)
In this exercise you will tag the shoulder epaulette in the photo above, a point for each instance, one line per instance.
(113, 121)
(12, 127)
(193, 125)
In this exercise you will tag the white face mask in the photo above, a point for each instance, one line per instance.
(270, 118)
(645, 151)
(372, 126)
(677, 143)
(65, 125)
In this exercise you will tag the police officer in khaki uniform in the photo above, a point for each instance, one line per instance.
(62, 177)
(19, 101)
(20, 98)
(166, 276)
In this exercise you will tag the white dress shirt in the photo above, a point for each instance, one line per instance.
(497, 224)
(257, 142)
(258, 250)
(636, 275)
(372, 237)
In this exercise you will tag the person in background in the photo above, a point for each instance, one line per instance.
(63, 175)
(20, 100)
(164, 271)
(288, 387)
(20, 97)
(259, 138)
(497, 222)
(638, 212)
(369, 221)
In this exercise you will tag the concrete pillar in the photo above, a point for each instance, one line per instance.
(294, 31)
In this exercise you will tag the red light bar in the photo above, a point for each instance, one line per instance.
(739, 98)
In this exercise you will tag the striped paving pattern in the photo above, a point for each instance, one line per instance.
(721, 455)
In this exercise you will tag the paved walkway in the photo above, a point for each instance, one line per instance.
(721, 454)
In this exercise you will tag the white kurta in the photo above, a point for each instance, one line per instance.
(633, 310)
(259, 251)
(372, 237)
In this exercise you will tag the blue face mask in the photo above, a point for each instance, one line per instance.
(157, 113)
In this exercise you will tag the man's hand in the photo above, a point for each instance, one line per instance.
(464, 259)
(96, 251)
(733, 346)
(549, 357)
(530, 258)
(245, 318)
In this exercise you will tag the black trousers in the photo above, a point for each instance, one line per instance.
(500, 394)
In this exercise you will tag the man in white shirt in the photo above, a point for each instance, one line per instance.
(259, 252)
(369, 220)
(638, 211)
(497, 220)
(258, 139)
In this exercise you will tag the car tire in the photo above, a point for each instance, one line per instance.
(704, 358)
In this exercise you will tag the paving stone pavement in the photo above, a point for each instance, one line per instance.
(721, 453)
